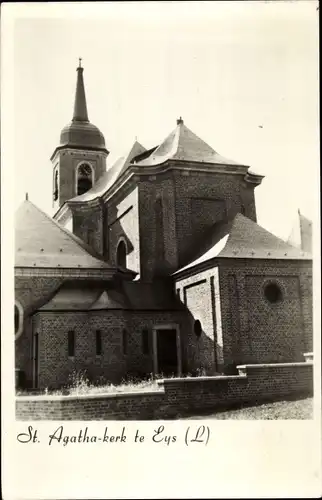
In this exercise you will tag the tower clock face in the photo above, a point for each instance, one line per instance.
(84, 170)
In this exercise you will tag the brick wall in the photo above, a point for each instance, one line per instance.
(89, 227)
(306, 292)
(138, 362)
(166, 214)
(55, 366)
(238, 325)
(197, 295)
(123, 223)
(177, 397)
(32, 291)
(236, 317)
(190, 205)
(247, 200)
(203, 199)
(23, 352)
(115, 363)
(67, 162)
(157, 226)
(254, 330)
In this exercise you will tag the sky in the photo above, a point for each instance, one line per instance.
(243, 75)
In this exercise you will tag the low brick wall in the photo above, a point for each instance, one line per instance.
(178, 396)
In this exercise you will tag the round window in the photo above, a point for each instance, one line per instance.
(197, 328)
(273, 293)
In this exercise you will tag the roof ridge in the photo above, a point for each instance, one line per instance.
(258, 231)
(241, 237)
(242, 216)
(285, 243)
(184, 126)
(127, 156)
(184, 145)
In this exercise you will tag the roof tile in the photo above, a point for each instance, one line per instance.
(244, 238)
(42, 242)
(183, 144)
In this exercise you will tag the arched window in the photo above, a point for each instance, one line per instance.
(197, 328)
(84, 178)
(18, 315)
(121, 254)
(124, 342)
(55, 184)
(98, 343)
(17, 319)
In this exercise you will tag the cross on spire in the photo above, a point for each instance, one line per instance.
(80, 62)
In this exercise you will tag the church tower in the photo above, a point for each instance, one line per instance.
(80, 158)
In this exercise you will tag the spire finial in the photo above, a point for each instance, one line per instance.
(80, 62)
(180, 121)
(27, 197)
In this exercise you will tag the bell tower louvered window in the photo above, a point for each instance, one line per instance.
(84, 178)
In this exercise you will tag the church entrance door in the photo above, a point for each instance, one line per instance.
(167, 350)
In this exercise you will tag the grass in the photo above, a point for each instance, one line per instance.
(301, 409)
(79, 385)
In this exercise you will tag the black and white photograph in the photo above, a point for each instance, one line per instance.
(165, 218)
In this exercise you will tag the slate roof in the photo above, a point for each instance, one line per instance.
(85, 299)
(183, 144)
(244, 238)
(72, 299)
(42, 242)
(83, 135)
(110, 176)
(111, 299)
(80, 133)
(132, 296)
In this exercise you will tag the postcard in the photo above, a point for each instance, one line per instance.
(160, 250)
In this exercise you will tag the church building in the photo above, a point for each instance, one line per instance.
(155, 265)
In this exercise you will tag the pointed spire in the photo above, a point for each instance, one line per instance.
(80, 107)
